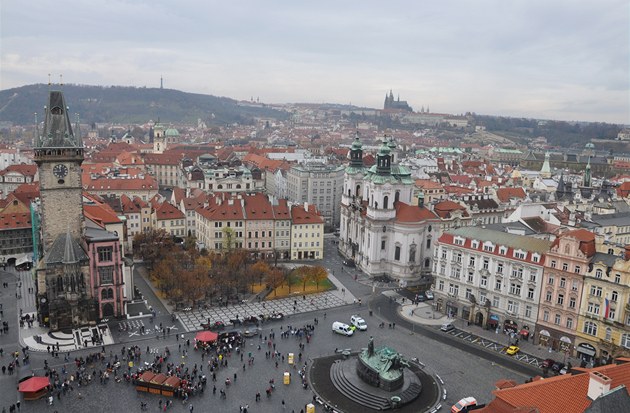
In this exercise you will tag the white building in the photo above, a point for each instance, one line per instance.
(380, 228)
(488, 277)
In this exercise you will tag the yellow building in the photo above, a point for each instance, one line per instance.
(307, 233)
(603, 330)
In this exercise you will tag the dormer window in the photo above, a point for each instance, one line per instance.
(521, 255)
(502, 250)
(474, 244)
(488, 247)
(459, 241)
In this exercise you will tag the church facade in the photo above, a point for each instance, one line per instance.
(381, 229)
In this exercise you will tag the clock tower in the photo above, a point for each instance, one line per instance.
(59, 154)
(64, 298)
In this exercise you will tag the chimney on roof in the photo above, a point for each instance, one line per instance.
(598, 384)
(306, 206)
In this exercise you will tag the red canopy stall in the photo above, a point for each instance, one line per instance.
(34, 388)
(206, 336)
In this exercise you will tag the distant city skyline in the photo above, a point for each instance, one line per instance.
(537, 59)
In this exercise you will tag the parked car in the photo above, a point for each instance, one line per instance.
(512, 350)
(251, 332)
(447, 327)
(421, 297)
(358, 322)
(547, 363)
(557, 366)
(464, 404)
(342, 328)
(429, 295)
(349, 263)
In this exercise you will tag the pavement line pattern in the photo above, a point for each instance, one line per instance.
(191, 320)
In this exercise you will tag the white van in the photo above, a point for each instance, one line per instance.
(447, 327)
(342, 328)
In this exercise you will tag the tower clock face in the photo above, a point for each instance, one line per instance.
(60, 170)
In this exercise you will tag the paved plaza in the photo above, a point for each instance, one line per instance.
(287, 306)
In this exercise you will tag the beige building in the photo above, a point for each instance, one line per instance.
(307, 233)
(170, 219)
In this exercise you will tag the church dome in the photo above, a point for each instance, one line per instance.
(356, 145)
(384, 149)
(171, 132)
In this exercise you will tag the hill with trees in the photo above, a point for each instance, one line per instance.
(119, 104)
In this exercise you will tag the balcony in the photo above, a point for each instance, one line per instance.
(381, 214)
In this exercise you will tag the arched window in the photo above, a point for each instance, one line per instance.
(598, 273)
(608, 333)
(358, 190)
(103, 294)
(397, 253)
(385, 202)
(397, 197)
(427, 262)
(590, 328)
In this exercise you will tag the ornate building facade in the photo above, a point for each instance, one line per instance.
(381, 229)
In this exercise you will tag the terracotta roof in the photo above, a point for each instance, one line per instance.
(15, 221)
(101, 214)
(412, 213)
(564, 393)
(258, 207)
(162, 159)
(428, 184)
(118, 184)
(443, 209)
(27, 192)
(306, 216)
(452, 189)
(282, 211)
(586, 238)
(505, 194)
(24, 169)
(221, 209)
(167, 211)
(623, 190)
(132, 205)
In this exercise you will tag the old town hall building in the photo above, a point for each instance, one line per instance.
(68, 295)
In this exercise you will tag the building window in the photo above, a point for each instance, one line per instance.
(104, 254)
(546, 316)
(569, 323)
(556, 319)
(471, 261)
(484, 281)
(596, 291)
(617, 278)
(453, 289)
(471, 276)
(550, 280)
(565, 267)
(608, 334)
(614, 296)
(500, 268)
(593, 308)
(468, 293)
(106, 274)
(598, 273)
(443, 253)
(530, 293)
(574, 285)
(577, 269)
(528, 311)
(512, 307)
(459, 241)
(486, 263)
(548, 296)
(533, 275)
(563, 282)
(625, 340)
(441, 285)
(590, 328)
(496, 301)
(560, 299)
(572, 302)
(382, 244)
(553, 263)
(397, 253)
(515, 289)
(497, 285)
(458, 258)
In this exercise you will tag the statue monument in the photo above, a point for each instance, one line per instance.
(383, 367)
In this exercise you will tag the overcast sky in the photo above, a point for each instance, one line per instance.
(534, 58)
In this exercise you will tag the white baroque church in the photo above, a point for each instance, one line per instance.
(381, 228)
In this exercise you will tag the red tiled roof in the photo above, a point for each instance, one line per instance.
(221, 209)
(412, 213)
(428, 184)
(564, 393)
(281, 211)
(132, 205)
(623, 190)
(167, 211)
(105, 183)
(24, 169)
(586, 238)
(101, 214)
(162, 159)
(300, 215)
(452, 189)
(258, 207)
(443, 209)
(27, 192)
(15, 221)
(505, 194)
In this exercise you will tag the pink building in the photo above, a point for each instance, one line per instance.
(106, 271)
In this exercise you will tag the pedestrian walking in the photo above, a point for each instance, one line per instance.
(283, 405)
